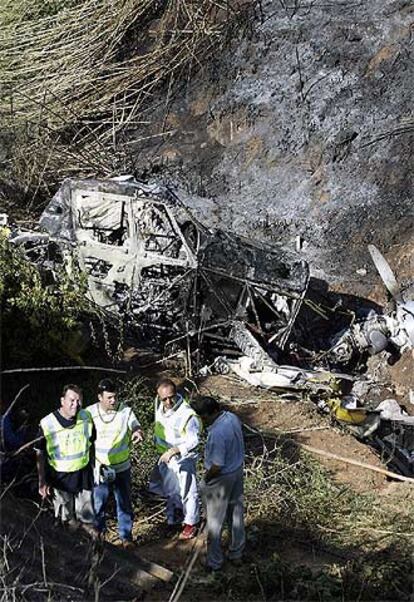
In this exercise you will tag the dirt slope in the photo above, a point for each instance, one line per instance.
(302, 422)
(69, 565)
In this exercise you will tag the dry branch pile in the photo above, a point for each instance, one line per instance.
(78, 76)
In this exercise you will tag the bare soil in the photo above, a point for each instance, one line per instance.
(302, 422)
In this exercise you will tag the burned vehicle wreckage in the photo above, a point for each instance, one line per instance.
(213, 294)
(148, 259)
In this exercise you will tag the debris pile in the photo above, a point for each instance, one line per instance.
(148, 259)
(226, 303)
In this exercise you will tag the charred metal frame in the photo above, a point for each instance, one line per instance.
(148, 259)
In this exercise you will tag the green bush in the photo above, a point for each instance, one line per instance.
(40, 320)
(139, 395)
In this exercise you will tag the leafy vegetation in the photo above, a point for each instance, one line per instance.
(139, 395)
(41, 320)
(292, 502)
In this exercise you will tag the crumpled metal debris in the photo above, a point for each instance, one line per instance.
(390, 409)
(390, 430)
(392, 332)
(179, 283)
(287, 378)
(387, 428)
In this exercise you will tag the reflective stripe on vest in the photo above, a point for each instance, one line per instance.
(169, 431)
(67, 448)
(113, 436)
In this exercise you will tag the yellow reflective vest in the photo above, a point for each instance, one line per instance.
(67, 448)
(113, 434)
(170, 427)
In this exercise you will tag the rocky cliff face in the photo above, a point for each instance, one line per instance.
(306, 128)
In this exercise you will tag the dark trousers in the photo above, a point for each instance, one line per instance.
(223, 500)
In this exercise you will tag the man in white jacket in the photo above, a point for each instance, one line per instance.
(176, 434)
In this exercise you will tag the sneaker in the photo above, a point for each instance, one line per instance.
(170, 530)
(189, 532)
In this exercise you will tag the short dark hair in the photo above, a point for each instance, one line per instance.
(166, 382)
(205, 406)
(106, 384)
(74, 388)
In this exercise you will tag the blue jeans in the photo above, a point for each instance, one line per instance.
(122, 492)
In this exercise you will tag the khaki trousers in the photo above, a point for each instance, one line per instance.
(69, 506)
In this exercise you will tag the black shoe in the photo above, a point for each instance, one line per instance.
(72, 525)
(91, 531)
(235, 561)
(209, 569)
(171, 530)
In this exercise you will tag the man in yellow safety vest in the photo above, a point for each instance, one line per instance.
(176, 434)
(63, 461)
(117, 428)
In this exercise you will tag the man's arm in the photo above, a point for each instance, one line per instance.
(92, 442)
(215, 456)
(191, 442)
(212, 472)
(137, 434)
(44, 488)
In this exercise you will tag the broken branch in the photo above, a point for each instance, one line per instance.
(388, 473)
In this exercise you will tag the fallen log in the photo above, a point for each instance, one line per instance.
(180, 585)
(321, 452)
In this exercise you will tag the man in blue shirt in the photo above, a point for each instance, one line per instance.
(13, 435)
(223, 490)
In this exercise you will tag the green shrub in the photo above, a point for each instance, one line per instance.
(139, 395)
(40, 320)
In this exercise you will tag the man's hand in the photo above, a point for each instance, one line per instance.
(44, 491)
(212, 473)
(137, 436)
(166, 456)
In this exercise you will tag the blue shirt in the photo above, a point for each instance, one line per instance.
(12, 439)
(225, 445)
